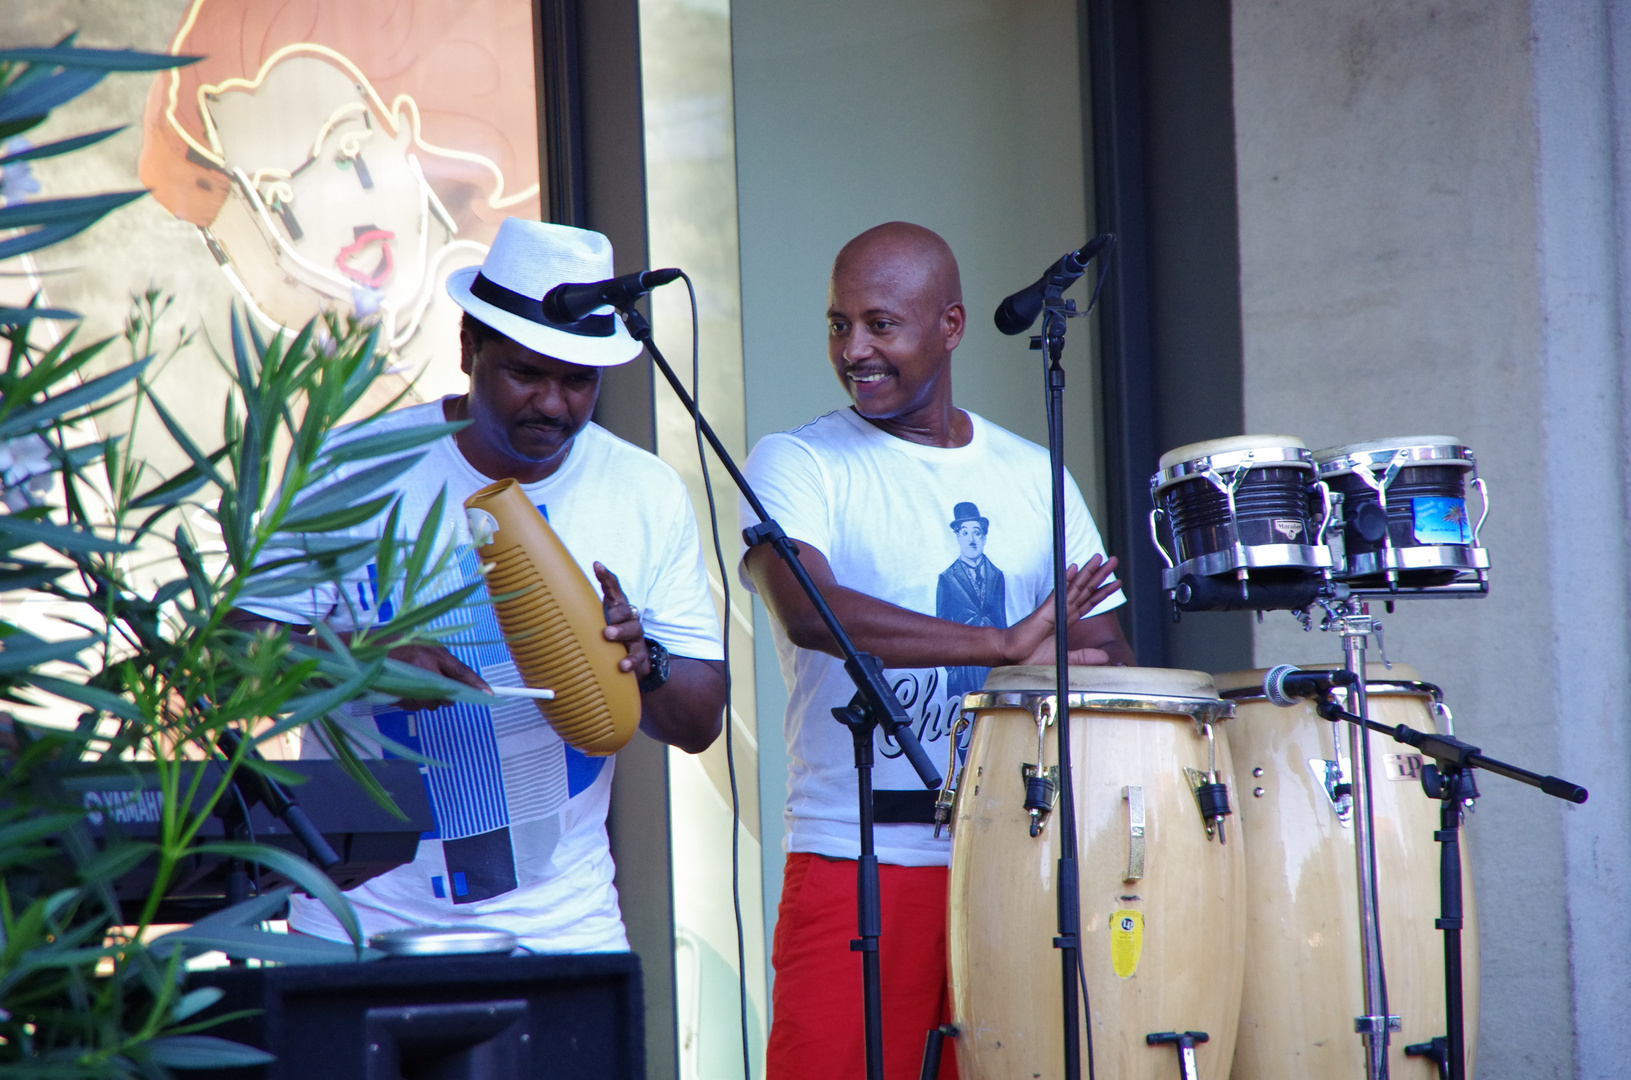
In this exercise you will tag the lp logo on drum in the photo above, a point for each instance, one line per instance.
(1126, 940)
(1402, 766)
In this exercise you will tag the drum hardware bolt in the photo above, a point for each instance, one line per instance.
(948, 789)
(1257, 792)
(1041, 792)
(1372, 1025)
(1212, 798)
(1257, 772)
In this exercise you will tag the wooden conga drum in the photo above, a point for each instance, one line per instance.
(1163, 926)
(1304, 980)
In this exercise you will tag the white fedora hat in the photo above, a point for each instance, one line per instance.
(527, 259)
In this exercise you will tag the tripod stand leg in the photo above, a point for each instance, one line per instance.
(932, 1047)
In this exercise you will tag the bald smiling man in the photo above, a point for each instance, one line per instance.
(928, 530)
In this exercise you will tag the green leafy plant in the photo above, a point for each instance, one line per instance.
(149, 657)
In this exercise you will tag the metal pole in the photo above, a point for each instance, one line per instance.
(1375, 1024)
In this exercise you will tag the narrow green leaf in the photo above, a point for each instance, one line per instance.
(311, 706)
(302, 873)
(44, 92)
(19, 653)
(244, 943)
(424, 544)
(196, 1001)
(59, 405)
(61, 146)
(30, 576)
(16, 532)
(65, 211)
(116, 860)
(256, 909)
(95, 697)
(178, 487)
(389, 442)
(204, 462)
(72, 56)
(347, 492)
(336, 520)
(204, 1052)
(16, 316)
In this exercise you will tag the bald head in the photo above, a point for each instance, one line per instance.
(894, 315)
(913, 260)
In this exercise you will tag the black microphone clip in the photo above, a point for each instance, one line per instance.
(1016, 314)
(1284, 685)
(566, 304)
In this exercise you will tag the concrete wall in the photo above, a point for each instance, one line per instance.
(961, 115)
(1431, 220)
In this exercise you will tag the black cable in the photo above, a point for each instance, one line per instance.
(730, 742)
(1087, 1011)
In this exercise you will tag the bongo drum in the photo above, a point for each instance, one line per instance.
(1240, 508)
(1403, 508)
(1304, 982)
(1162, 920)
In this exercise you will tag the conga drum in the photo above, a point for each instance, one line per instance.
(1163, 926)
(1304, 977)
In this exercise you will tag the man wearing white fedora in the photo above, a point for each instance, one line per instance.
(520, 841)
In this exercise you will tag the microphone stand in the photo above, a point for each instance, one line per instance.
(1450, 781)
(255, 787)
(1052, 341)
(874, 705)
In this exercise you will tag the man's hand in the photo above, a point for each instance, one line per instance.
(1030, 641)
(623, 624)
(438, 661)
(687, 710)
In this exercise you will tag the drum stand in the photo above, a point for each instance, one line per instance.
(1450, 780)
(873, 706)
(1353, 621)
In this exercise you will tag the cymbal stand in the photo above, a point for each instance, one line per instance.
(1352, 619)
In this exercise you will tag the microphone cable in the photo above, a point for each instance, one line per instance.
(730, 742)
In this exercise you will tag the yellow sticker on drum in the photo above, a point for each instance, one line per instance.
(1126, 940)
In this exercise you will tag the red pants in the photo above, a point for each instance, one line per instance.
(818, 1030)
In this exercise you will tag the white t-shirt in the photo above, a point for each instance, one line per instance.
(520, 839)
(881, 510)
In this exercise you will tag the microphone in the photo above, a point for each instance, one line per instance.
(572, 301)
(1284, 684)
(1016, 314)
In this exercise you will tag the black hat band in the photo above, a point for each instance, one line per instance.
(489, 291)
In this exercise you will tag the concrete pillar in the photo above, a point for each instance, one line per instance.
(1432, 241)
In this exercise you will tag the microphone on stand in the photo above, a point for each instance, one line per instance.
(1016, 314)
(1285, 684)
(570, 302)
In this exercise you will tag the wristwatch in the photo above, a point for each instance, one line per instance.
(659, 667)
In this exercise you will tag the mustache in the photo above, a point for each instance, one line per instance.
(549, 423)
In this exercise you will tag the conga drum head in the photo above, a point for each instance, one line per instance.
(1172, 682)
(1162, 926)
(1304, 981)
